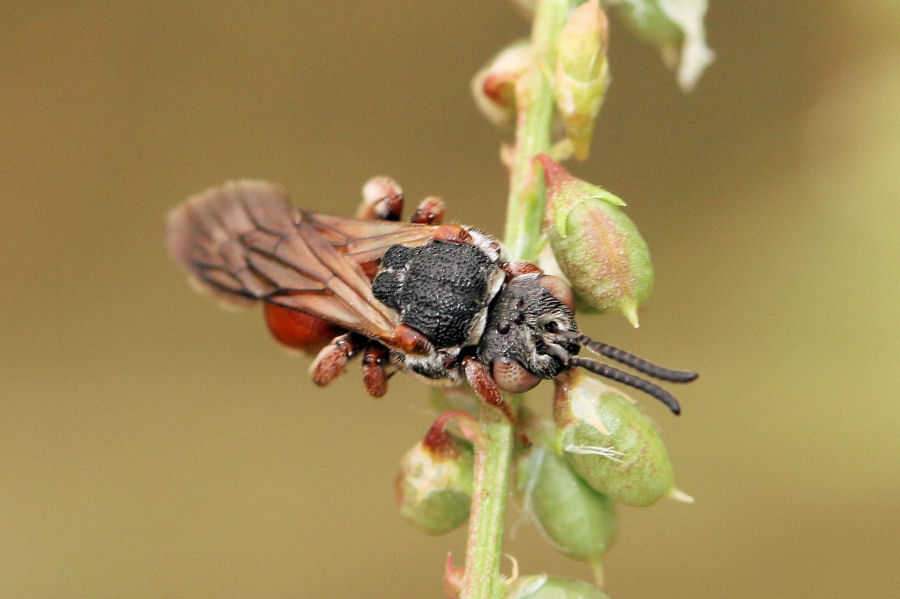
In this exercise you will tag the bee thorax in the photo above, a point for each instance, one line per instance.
(440, 289)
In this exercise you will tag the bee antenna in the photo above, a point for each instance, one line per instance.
(629, 359)
(626, 378)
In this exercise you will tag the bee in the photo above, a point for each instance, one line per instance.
(442, 302)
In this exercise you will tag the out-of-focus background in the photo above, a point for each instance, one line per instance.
(152, 445)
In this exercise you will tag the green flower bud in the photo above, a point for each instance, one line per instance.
(611, 444)
(494, 86)
(582, 74)
(595, 244)
(541, 586)
(579, 521)
(434, 486)
(676, 27)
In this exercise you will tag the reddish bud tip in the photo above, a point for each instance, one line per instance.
(434, 486)
(453, 576)
(494, 86)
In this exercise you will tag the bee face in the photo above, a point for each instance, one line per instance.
(525, 319)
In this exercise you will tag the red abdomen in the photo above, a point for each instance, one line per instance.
(298, 330)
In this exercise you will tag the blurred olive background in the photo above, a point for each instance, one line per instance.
(152, 445)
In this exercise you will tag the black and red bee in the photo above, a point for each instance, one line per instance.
(442, 302)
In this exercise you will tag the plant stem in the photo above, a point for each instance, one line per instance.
(525, 211)
(481, 579)
(534, 97)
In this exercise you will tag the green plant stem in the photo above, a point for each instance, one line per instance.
(534, 97)
(524, 220)
(481, 579)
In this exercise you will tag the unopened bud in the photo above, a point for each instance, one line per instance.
(494, 86)
(596, 245)
(676, 27)
(582, 74)
(541, 586)
(434, 486)
(578, 520)
(611, 444)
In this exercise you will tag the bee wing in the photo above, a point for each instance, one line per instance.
(366, 240)
(245, 241)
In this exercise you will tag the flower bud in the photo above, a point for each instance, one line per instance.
(434, 486)
(668, 24)
(582, 74)
(579, 521)
(541, 586)
(610, 443)
(494, 86)
(595, 244)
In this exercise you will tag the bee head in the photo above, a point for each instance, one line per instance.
(526, 317)
(531, 335)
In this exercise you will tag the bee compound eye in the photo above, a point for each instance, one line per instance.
(512, 376)
(560, 290)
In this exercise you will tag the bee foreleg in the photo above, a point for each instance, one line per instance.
(330, 362)
(479, 377)
(453, 234)
(520, 267)
(375, 358)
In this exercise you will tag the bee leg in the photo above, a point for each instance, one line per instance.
(453, 234)
(520, 267)
(374, 360)
(481, 381)
(429, 212)
(330, 362)
(382, 200)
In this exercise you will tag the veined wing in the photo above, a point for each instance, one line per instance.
(245, 241)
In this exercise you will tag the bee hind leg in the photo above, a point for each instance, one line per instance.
(479, 377)
(330, 362)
